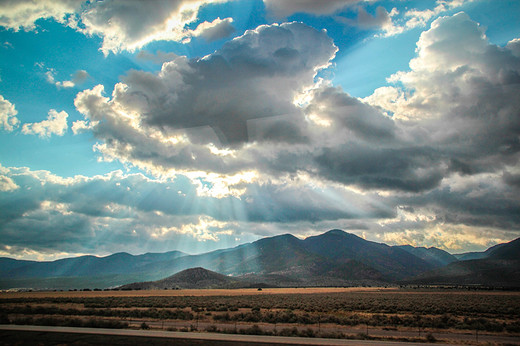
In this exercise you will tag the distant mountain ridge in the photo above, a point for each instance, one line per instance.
(499, 267)
(118, 263)
(334, 258)
(432, 255)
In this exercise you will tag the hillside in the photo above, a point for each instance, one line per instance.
(500, 268)
(470, 256)
(81, 272)
(118, 263)
(187, 279)
(393, 263)
(435, 257)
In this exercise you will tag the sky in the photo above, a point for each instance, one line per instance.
(151, 126)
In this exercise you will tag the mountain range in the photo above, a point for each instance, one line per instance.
(334, 258)
(497, 266)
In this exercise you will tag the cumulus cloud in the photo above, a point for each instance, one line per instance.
(22, 14)
(393, 23)
(123, 25)
(419, 18)
(55, 124)
(414, 18)
(382, 20)
(78, 77)
(398, 141)
(215, 30)
(458, 103)
(8, 119)
(459, 79)
(81, 126)
(129, 25)
(182, 116)
(393, 148)
(7, 184)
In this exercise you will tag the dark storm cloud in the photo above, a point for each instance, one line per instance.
(350, 116)
(254, 76)
(479, 203)
(407, 169)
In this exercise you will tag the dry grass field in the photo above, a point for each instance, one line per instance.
(191, 292)
(460, 316)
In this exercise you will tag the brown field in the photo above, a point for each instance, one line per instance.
(188, 292)
(446, 315)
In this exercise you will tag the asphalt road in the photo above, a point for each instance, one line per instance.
(210, 337)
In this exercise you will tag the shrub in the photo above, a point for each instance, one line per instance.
(430, 337)
(212, 329)
(308, 333)
(289, 332)
(253, 330)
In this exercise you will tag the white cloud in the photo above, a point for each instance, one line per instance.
(22, 14)
(7, 184)
(79, 77)
(459, 78)
(382, 20)
(419, 18)
(8, 119)
(122, 24)
(514, 47)
(210, 117)
(182, 113)
(56, 124)
(215, 30)
(394, 23)
(81, 126)
(454, 63)
(130, 25)
(203, 229)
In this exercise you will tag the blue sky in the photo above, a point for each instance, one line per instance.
(198, 125)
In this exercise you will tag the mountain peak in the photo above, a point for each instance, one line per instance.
(340, 233)
(287, 237)
(506, 251)
(336, 232)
